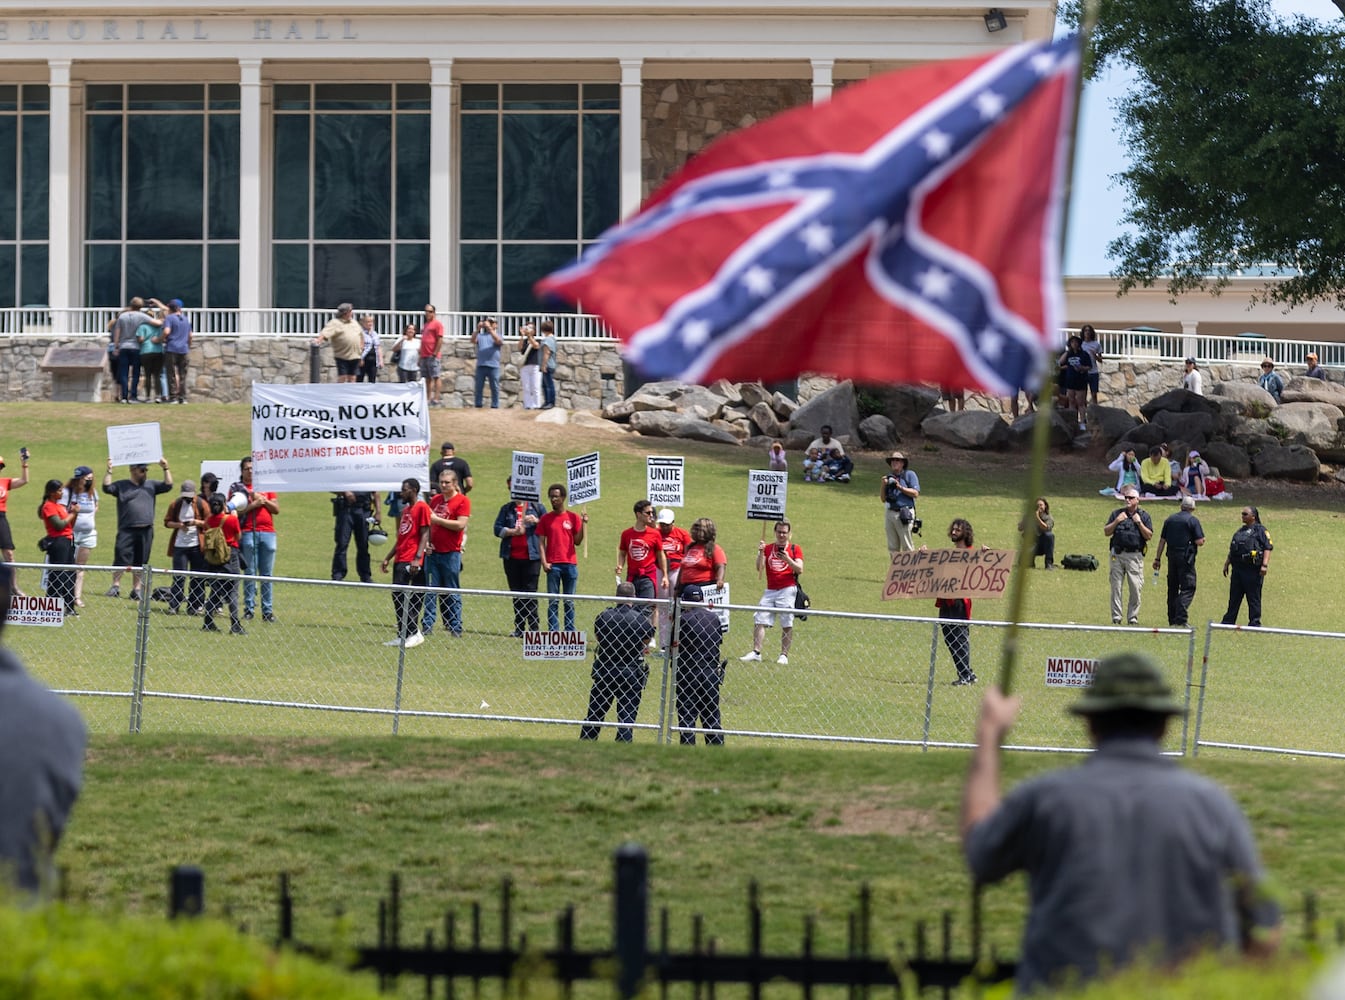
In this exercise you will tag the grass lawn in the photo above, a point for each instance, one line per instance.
(247, 792)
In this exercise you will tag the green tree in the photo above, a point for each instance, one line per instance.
(1236, 130)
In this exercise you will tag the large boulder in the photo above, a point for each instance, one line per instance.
(1288, 462)
(753, 393)
(655, 423)
(1240, 430)
(783, 406)
(1110, 424)
(702, 430)
(622, 409)
(1189, 426)
(1229, 459)
(835, 407)
(1145, 436)
(1313, 390)
(878, 433)
(905, 405)
(1248, 398)
(726, 390)
(1316, 425)
(975, 429)
(695, 400)
(1062, 428)
(740, 432)
(700, 402)
(764, 417)
(1178, 401)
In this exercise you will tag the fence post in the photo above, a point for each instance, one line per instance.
(665, 702)
(632, 918)
(141, 646)
(929, 688)
(186, 892)
(1204, 680)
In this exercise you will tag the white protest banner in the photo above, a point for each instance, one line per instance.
(48, 611)
(716, 598)
(766, 494)
(949, 573)
(1069, 671)
(134, 444)
(583, 478)
(526, 477)
(555, 645)
(226, 471)
(357, 436)
(664, 480)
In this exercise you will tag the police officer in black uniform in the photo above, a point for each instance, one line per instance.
(352, 512)
(1249, 560)
(619, 669)
(1182, 536)
(699, 669)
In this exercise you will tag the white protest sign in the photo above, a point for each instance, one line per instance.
(582, 478)
(716, 598)
(48, 611)
(526, 477)
(225, 471)
(766, 494)
(555, 645)
(134, 444)
(665, 480)
(1069, 671)
(349, 436)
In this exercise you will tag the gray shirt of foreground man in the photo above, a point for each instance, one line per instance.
(1128, 857)
(42, 740)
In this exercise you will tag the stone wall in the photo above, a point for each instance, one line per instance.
(223, 368)
(682, 117)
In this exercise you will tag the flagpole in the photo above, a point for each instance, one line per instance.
(1041, 425)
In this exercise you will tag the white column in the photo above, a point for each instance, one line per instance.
(631, 137)
(822, 80)
(1189, 337)
(61, 264)
(253, 247)
(443, 240)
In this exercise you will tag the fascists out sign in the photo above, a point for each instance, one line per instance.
(664, 481)
(766, 494)
(349, 436)
(582, 479)
(525, 476)
(948, 573)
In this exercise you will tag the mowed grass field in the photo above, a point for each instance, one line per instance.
(455, 805)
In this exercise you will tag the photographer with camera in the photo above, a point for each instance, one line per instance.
(356, 514)
(488, 343)
(1129, 529)
(898, 491)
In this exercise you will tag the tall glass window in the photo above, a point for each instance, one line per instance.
(540, 178)
(352, 195)
(162, 193)
(24, 153)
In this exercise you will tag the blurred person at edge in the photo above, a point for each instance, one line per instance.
(42, 739)
(6, 535)
(60, 545)
(81, 494)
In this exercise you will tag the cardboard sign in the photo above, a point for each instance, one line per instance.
(583, 478)
(349, 436)
(555, 645)
(665, 480)
(49, 611)
(716, 598)
(933, 573)
(1069, 671)
(766, 493)
(134, 444)
(527, 476)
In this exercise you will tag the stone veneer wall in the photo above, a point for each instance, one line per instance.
(682, 117)
(223, 368)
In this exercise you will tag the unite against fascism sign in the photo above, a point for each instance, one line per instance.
(665, 481)
(932, 573)
(349, 436)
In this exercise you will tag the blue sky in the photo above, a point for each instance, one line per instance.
(1097, 204)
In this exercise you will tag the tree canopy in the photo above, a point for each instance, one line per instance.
(1236, 130)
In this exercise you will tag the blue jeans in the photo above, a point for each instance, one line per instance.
(561, 578)
(548, 388)
(491, 375)
(443, 569)
(128, 373)
(259, 552)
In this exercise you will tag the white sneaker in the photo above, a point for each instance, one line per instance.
(752, 657)
(414, 640)
(783, 660)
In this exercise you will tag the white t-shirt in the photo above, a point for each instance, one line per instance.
(1191, 381)
(826, 448)
(408, 358)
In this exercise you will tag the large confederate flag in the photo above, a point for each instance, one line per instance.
(906, 231)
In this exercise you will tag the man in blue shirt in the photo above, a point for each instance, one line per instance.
(488, 361)
(176, 347)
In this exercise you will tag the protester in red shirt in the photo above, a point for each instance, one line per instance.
(957, 637)
(408, 558)
(449, 512)
(258, 544)
(6, 536)
(703, 563)
(60, 545)
(223, 586)
(783, 562)
(640, 552)
(431, 344)
(560, 531)
(675, 541)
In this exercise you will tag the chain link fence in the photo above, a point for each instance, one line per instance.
(332, 663)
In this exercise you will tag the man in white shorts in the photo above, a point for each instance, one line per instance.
(782, 561)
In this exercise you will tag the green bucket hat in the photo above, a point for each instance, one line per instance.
(1128, 681)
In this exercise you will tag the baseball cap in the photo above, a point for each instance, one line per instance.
(175, 303)
(1190, 361)
(1127, 681)
(188, 488)
(138, 465)
(693, 593)
(1193, 454)
(1188, 503)
(82, 470)
(666, 516)
(447, 446)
